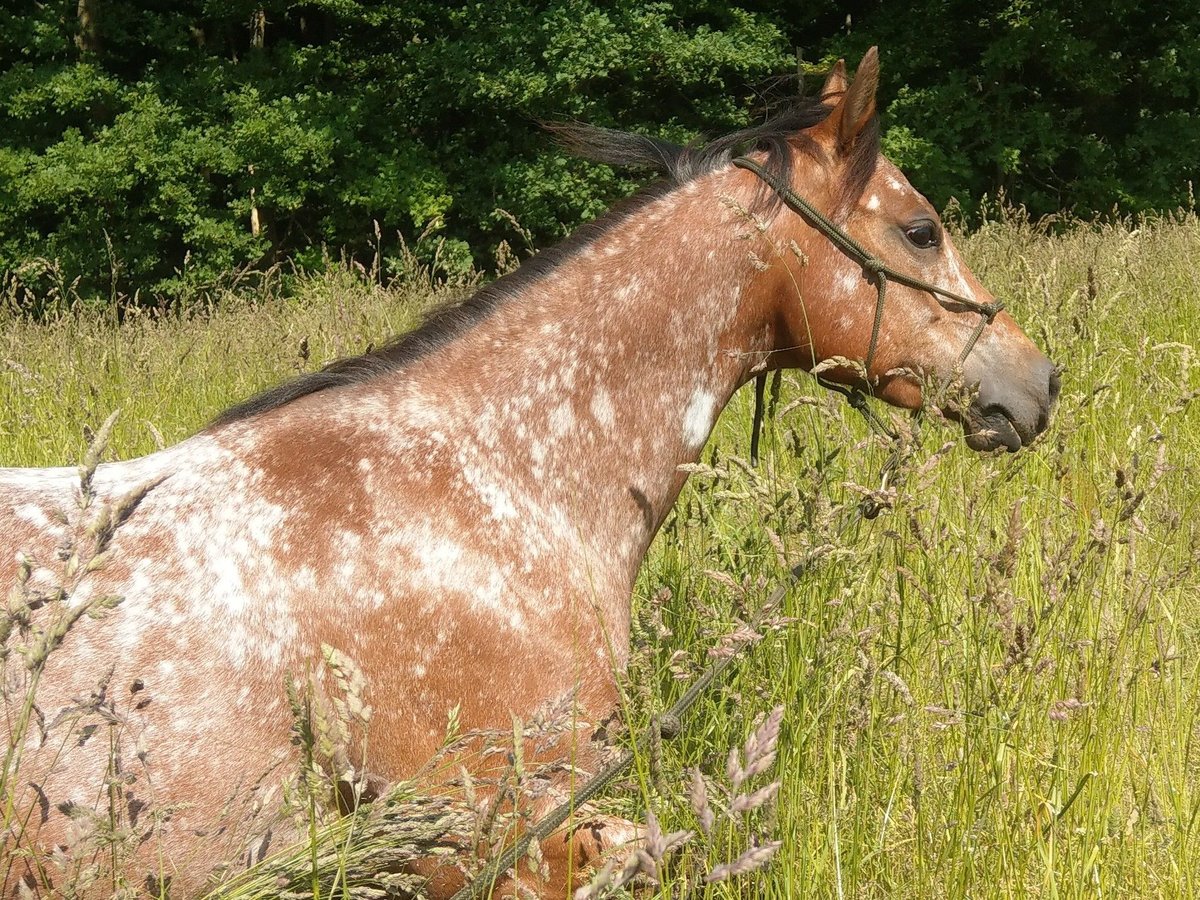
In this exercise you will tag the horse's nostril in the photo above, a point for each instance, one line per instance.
(995, 411)
(1053, 387)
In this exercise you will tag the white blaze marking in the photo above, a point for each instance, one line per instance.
(957, 279)
(698, 418)
(873, 202)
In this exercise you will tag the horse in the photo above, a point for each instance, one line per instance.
(464, 511)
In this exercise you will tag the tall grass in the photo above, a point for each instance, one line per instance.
(991, 690)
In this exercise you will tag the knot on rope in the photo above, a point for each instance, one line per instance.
(669, 726)
(870, 508)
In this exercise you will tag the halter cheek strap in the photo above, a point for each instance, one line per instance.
(875, 268)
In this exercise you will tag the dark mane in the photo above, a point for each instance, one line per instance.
(677, 164)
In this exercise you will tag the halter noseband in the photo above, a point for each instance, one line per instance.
(877, 269)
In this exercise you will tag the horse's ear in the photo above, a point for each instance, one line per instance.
(858, 107)
(836, 82)
(853, 105)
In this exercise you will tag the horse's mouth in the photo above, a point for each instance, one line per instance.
(1010, 416)
(992, 429)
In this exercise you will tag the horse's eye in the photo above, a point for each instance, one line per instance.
(923, 234)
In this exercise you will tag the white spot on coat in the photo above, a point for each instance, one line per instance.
(848, 282)
(602, 408)
(698, 419)
(34, 515)
(562, 420)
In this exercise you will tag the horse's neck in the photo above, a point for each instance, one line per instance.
(588, 388)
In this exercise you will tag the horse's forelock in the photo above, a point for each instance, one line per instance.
(864, 157)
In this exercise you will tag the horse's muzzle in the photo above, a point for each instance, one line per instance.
(1010, 412)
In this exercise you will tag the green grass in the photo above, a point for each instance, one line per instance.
(992, 690)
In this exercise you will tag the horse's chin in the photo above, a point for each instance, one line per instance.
(991, 430)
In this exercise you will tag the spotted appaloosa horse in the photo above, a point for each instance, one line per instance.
(464, 511)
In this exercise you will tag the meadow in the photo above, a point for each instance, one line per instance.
(992, 690)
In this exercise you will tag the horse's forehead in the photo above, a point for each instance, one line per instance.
(889, 186)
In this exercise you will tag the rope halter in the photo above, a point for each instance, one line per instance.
(877, 270)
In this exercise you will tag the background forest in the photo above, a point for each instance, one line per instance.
(148, 150)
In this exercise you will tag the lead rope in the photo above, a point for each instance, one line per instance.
(668, 724)
(760, 386)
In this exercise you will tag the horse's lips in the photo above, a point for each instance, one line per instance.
(991, 432)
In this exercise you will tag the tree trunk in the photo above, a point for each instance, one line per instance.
(258, 29)
(86, 40)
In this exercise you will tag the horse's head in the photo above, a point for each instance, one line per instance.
(921, 336)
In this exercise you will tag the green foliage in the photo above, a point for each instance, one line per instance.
(1075, 106)
(138, 143)
(136, 156)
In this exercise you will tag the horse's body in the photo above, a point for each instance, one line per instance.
(465, 518)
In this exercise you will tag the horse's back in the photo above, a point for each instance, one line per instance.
(131, 694)
(236, 555)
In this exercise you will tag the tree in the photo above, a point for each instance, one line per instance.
(151, 148)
